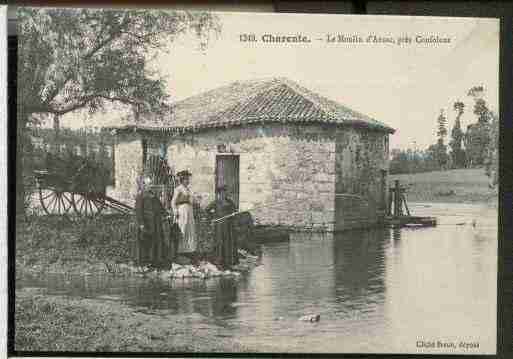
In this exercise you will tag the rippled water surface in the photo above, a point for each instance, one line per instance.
(376, 291)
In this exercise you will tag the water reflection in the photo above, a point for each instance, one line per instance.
(359, 267)
(376, 290)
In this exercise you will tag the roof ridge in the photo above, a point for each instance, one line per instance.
(306, 94)
(313, 97)
(273, 82)
(227, 85)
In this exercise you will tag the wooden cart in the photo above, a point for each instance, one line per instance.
(74, 187)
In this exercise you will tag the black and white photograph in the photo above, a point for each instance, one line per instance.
(244, 182)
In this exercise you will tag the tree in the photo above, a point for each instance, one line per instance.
(492, 152)
(477, 137)
(441, 148)
(76, 59)
(431, 158)
(476, 140)
(442, 123)
(456, 143)
(485, 135)
(481, 109)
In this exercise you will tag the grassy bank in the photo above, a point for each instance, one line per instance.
(53, 244)
(452, 186)
(105, 244)
(52, 323)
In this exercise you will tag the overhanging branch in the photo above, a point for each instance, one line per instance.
(84, 101)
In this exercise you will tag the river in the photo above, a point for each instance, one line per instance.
(377, 291)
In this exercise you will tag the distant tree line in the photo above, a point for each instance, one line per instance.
(475, 147)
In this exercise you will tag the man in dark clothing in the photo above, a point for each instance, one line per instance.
(149, 215)
(225, 239)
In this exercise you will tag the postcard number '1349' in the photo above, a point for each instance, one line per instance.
(247, 38)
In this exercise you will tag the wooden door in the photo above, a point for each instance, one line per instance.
(227, 174)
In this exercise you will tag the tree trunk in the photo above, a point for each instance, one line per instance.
(56, 128)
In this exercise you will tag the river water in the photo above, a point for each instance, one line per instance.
(379, 290)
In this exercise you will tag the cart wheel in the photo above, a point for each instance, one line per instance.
(87, 205)
(54, 201)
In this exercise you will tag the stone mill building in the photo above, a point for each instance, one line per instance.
(287, 154)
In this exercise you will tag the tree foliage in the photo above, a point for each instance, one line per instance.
(441, 148)
(457, 134)
(71, 59)
(84, 59)
(442, 125)
(413, 161)
(476, 141)
(477, 137)
(492, 153)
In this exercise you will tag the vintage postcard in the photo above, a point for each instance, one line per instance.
(194, 181)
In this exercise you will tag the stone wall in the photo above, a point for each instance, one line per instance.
(289, 175)
(197, 153)
(303, 176)
(361, 177)
(286, 172)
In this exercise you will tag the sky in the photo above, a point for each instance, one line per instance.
(404, 86)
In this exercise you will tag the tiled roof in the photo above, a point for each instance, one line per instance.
(276, 100)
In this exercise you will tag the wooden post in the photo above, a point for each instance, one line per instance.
(230, 255)
(404, 201)
(397, 199)
(390, 201)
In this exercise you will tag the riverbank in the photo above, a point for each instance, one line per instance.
(452, 186)
(55, 323)
(103, 245)
(101, 248)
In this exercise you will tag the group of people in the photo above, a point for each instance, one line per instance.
(164, 234)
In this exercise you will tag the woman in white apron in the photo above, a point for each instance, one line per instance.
(182, 204)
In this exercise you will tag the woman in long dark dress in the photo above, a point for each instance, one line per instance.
(225, 240)
(149, 214)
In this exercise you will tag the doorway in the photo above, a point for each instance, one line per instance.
(227, 174)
